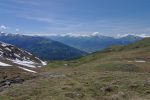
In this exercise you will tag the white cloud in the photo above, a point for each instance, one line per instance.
(17, 29)
(41, 19)
(71, 34)
(3, 27)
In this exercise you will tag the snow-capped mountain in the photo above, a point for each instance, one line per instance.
(94, 42)
(12, 56)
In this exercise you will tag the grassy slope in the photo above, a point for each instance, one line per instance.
(109, 75)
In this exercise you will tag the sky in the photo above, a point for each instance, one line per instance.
(46, 17)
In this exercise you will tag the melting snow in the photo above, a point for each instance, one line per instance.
(4, 44)
(43, 63)
(4, 64)
(24, 63)
(1, 53)
(8, 49)
(16, 55)
(28, 53)
(23, 59)
(141, 61)
(130, 61)
(28, 70)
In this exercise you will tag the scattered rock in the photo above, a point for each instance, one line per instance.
(108, 89)
(64, 88)
(118, 96)
(52, 75)
(8, 82)
(147, 92)
(134, 86)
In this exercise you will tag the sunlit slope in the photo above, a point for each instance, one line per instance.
(134, 57)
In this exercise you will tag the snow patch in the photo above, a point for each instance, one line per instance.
(28, 53)
(4, 64)
(140, 61)
(130, 61)
(16, 55)
(43, 63)
(24, 63)
(28, 70)
(5, 44)
(1, 53)
(8, 49)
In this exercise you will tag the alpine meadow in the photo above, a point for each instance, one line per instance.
(74, 50)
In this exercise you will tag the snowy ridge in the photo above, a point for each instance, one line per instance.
(136, 35)
(97, 34)
(10, 55)
(77, 35)
(4, 64)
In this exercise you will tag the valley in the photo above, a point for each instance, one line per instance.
(74, 50)
(42, 47)
(94, 42)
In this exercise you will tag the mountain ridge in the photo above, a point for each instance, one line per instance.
(96, 42)
(12, 56)
(42, 47)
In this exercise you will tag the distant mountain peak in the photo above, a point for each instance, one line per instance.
(96, 42)
(132, 35)
(8, 34)
(96, 34)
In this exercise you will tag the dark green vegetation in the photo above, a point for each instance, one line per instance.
(45, 49)
(95, 43)
(117, 73)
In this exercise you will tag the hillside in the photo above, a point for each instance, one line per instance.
(133, 53)
(16, 65)
(95, 42)
(117, 73)
(45, 49)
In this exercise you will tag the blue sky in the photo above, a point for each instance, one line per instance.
(44, 17)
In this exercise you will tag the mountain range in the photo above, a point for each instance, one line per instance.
(43, 48)
(64, 47)
(94, 42)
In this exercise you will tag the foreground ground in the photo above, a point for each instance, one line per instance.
(115, 74)
(82, 86)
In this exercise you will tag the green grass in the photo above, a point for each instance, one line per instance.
(118, 67)
(91, 86)
(109, 75)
